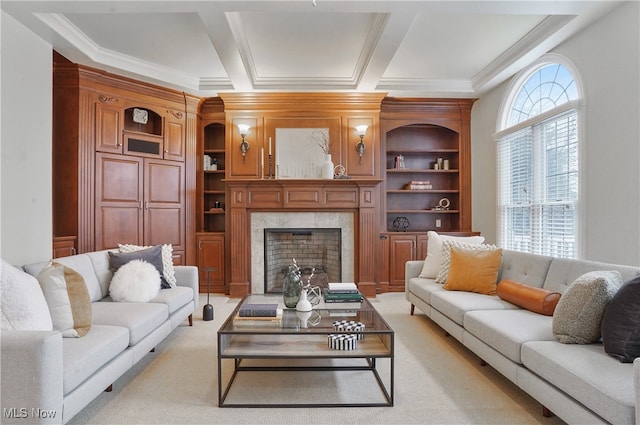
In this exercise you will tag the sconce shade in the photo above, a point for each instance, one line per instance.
(243, 128)
(361, 129)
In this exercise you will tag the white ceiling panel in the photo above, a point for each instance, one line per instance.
(416, 48)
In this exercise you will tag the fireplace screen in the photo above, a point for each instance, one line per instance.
(317, 252)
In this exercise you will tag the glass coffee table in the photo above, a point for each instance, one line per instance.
(300, 344)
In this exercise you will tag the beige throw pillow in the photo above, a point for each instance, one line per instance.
(68, 299)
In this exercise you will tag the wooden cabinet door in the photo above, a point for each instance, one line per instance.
(211, 255)
(119, 183)
(164, 203)
(402, 249)
(64, 246)
(108, 128)
(174, 148)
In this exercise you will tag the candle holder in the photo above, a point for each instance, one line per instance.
(270, 166)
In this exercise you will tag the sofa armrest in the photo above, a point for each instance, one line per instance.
(636, 374)
(412, 269)
(188, 276)
(31, 370)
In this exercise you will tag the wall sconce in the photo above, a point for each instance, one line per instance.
(244, 145)
(360, 146)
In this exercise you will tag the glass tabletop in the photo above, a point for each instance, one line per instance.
(320, 320)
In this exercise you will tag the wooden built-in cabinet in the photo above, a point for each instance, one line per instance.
(211, 195)
(124, 157)
(419, 196)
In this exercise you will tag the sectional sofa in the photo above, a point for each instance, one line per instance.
(49, 379)
(581, 384)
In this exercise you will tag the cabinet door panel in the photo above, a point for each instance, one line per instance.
(164, 203)
(211, 254)
(403, 249)
(108, 129)
(174, 141)
(118, 201)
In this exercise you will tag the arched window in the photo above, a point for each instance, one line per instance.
(538, 145)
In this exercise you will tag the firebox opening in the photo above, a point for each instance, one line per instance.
(317, 251)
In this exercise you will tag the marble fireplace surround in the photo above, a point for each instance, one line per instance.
(308, 220)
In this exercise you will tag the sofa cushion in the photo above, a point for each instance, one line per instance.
(22, 303)
(506, 330)
(621, 323)
(136, 281)
(174, 298)
(587, 374)
(423, 288)
(454, 304)
(433, 259)
(151, 255)
(140, 318)
(473, 270)
(538, 300)
(523, 267)
(82, 357)
(168, 270)
(579, 312)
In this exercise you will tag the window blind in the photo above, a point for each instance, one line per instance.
(538, 187)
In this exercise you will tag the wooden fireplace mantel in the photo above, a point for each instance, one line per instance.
(360, 196)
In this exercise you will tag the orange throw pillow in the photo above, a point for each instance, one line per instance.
(538, 300)
(474, 270)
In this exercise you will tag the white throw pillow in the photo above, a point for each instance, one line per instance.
(432, 262)
(167, 260)
(22, 303)
(137, 282)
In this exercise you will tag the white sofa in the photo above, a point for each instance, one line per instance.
(581, 384)
(49, 379)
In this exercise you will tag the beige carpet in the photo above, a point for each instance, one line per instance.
(437, 381)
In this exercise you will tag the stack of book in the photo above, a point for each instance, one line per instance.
(252, 313)
(419, 185)
(342, 292)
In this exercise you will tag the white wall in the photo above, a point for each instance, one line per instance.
(607, 55)
(25, 145)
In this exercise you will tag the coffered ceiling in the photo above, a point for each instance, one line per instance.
(404, 48)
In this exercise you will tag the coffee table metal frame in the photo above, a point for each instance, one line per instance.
(289, 339)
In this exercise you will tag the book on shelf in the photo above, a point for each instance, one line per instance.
(342, 288)
(258, 310)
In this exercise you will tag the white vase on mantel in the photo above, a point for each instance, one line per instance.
(327, 167)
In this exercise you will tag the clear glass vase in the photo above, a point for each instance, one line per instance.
(291, 287)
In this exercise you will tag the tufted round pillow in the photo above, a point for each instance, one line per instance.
(621, 323)
(136, 281)
(578, 315)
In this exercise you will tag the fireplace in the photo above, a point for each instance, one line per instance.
(317, 222)
(317, 252)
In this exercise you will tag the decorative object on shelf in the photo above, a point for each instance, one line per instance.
(141, 116)
(342, 341)
(292, 286)
(399, 162)
(419, 185)
(214, 164)
(339, 172)
(446, 164)
(244, 145)
(360, 146)
(350, 326)
(303, 303)
(443, 205)
(401, 224)
(440, 163)
(327, 167)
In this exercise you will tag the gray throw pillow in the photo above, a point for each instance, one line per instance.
(151, 255)
(579, 312)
